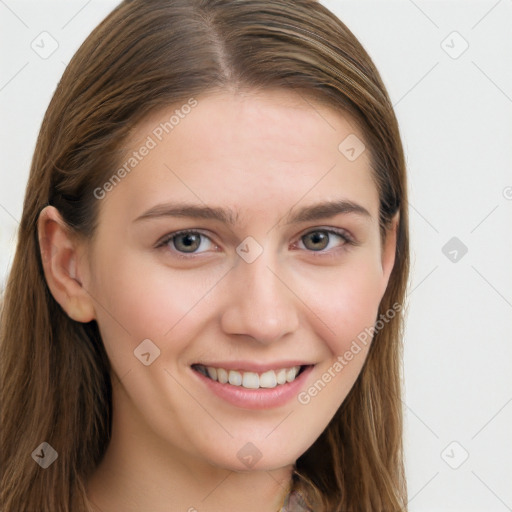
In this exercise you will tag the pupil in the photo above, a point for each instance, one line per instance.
(319, 240)
(188, 242)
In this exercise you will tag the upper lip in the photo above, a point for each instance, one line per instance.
(251, 366)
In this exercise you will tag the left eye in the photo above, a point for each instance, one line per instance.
(322, 239)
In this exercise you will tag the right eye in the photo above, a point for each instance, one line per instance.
(187, 242)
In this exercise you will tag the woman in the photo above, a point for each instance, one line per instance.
(204, 311)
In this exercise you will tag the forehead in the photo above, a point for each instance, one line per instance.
(252, 151)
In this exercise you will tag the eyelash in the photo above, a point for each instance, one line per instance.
(331, 231)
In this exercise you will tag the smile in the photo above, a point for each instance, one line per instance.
(248, 379)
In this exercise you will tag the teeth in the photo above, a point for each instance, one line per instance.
(251, 380)
(268, 379)
(235, 378)
(281, 377)
(222, 375)
(291, 374)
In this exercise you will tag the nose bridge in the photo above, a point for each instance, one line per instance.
(262, 307)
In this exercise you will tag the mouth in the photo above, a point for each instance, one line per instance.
(251, 380)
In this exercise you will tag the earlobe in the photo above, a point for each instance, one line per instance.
(60, 259)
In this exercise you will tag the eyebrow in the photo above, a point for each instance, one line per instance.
(308, 213)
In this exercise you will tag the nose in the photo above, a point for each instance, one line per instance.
(261, 304)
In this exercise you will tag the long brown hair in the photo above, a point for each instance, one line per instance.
(146, 55)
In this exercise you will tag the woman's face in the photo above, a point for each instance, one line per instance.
(281, 269)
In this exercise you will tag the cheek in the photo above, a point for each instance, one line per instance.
(137, 299)
(343, 309)
(344, 300)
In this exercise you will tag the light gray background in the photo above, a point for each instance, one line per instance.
(455, 113)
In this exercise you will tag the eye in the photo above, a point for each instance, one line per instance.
(324, 239)
(188, 242)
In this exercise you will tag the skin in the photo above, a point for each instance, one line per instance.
(174, 443)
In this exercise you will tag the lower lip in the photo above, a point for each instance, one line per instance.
(261, 398)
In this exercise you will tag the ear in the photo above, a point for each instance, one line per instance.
(389, 250)
(62, 257)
